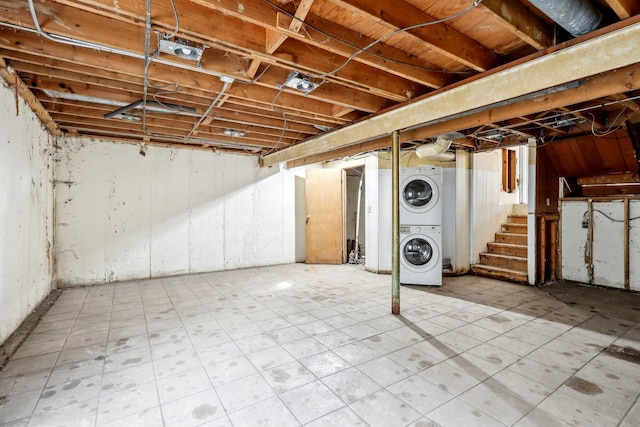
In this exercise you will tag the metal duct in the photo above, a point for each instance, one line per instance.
(578, 17)
(438, 150)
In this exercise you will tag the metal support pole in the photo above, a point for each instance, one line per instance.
(395, 196)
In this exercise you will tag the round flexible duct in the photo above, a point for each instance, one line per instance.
(578, 17)
(436, 150)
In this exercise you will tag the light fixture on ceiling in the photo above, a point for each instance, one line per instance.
(155, 106)
(181, 48)
(322, 128)
(234, 133)
(300, 82)
(563, 122)
(127, 117)
(495, 135)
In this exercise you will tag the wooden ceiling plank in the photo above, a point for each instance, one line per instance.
(618, 81)
(615, 49)
(440, 38)
(522, 22)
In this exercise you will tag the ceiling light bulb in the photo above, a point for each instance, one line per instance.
(185, 51)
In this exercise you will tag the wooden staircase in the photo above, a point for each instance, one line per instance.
(506, 258)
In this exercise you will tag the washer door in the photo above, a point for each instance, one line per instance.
(419, 194)
(419, 253)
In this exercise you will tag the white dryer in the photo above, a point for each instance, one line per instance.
(421, 255)
(420, 198)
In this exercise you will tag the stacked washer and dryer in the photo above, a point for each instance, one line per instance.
(421, 226)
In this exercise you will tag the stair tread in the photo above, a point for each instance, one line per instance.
(515, 224)
(510, 234)
(491, 267)
(507, 245)
(502, 273)
(518, 216)
(513, 257)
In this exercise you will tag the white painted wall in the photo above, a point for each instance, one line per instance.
(121, 215)
(490, 206)
(26, 212)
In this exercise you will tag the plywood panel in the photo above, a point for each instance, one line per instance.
(608, 244)
(574, 241)
(325, 216)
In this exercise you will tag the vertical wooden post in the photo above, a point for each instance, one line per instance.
(395, 202)
(553, 262)
(589, 250)
(542, 249)
(626, 243)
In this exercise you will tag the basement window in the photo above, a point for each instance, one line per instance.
(509, 180)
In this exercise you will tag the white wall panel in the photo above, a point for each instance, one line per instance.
(169, 212)
(26, 212)
(128, 222)
(170, 190)
(206, 198)
(634, 245)
(81, 175)
(608, 244)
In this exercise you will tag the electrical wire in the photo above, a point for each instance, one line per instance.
(256, 78)
(284, 124)
(585, 215)
(175, 15)
(360, 50)
(613, 127)
(225, 86)
(147, 61)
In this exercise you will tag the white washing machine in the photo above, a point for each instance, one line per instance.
(420, 198)
(421, 255)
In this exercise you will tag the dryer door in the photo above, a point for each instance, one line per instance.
(419, 194)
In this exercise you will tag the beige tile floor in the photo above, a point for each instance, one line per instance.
(315, 345)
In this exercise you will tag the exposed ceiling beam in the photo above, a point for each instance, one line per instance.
(607, 52)
(618, 81)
